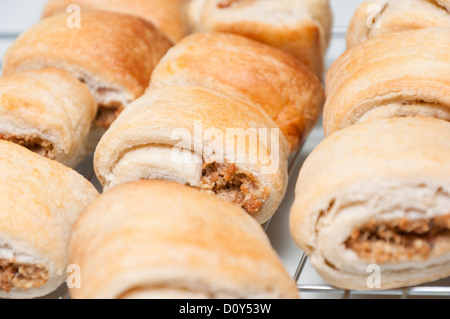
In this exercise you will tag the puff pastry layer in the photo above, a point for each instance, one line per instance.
(166, 15)
(200, 138)
(301, 28)
(156, 239)
(398, 74)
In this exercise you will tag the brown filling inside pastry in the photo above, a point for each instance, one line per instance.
(234, 186)
(107, 114)
(399, 240)
(21, 276)
(226, 3)
(33, 143)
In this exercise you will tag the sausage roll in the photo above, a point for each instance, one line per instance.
(372, 204)
(236, 66)
(300, 27)
(377, 17)
(40, 200)
(157, 240)
(167, 15)
(47, 111)
(197, 137)
(398, 74)
(114, 54)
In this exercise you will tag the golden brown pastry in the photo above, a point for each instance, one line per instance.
(113, 53)
(40, 200)
(398, 74)
(377, 17)
(300, 27)
(157, 240)
(167, 15)
(372, 204)
(47, 111)
(200, 138)
(242, 68)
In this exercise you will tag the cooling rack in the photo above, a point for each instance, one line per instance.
(309, 283)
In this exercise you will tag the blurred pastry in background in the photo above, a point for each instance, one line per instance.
(166, 15)
(378, 17)
(251, 71)
(300, 27)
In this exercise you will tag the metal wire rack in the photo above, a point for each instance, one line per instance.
(309, 284)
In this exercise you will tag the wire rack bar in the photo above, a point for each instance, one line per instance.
(6, 35)
(339, 32)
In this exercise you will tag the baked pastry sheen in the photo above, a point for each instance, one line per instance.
(300, 27)
(242, 68)
(200, 138)
(157, 240)
(377, 17)
(47, 111)
(167, 15)
(398, 74)
(376, 196)
(113, 53)
(40, 200)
